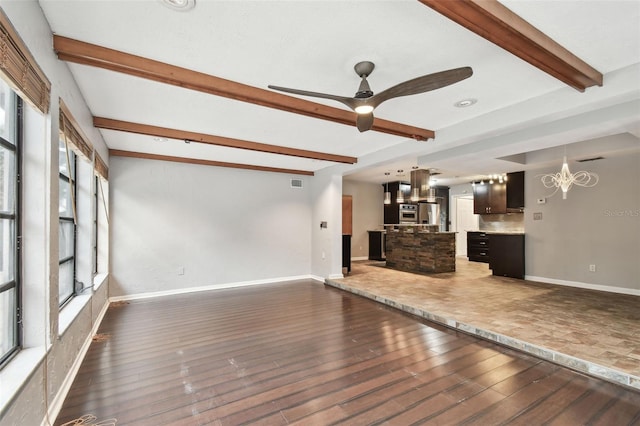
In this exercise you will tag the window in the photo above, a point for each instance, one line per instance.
(67, 226)
(10, 135)
(94, 242)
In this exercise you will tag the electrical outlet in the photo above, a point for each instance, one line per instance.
(323, 256)
(592, 268)
(181, 270)
(537, 216)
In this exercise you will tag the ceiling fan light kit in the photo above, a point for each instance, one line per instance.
(365, 101)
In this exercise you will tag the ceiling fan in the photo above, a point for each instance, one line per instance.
(364, 101)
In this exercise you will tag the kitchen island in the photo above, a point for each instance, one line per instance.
(420, 249)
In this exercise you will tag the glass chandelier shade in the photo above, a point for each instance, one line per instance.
(387, 194)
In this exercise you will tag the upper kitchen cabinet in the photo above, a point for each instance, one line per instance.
(500, 198)
(515, 191)
(391, 212)
(490, 198)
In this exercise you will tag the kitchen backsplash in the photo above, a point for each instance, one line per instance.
(510, 222)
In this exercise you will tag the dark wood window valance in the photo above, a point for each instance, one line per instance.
(20, 69)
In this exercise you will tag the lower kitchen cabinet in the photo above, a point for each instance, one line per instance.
(377, 241)
(506, 255)
(346, 252)
(478, 247)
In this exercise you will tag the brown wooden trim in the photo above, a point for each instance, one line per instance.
(89, 54)
(496, 23)
(21, 69)
(147, 156)
(145, 129)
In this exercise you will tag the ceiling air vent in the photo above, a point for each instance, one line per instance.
(590, 159)
(296, 183)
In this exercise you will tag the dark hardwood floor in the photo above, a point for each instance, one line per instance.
(309, 354)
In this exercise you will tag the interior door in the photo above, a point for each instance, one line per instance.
(466, 220)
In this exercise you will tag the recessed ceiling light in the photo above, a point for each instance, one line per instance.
(465, 103)
(181, 5)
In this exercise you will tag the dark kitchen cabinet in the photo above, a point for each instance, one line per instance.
(500, 198)
(506, 255)
(391, 211)
(347, 230)
(346, 252)
(490, 198)
(478, 246)
(377, 242)
(515, 191)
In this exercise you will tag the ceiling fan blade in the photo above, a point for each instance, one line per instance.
(422, 84)
(345, 100)
(364, 122)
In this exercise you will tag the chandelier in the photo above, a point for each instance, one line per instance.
(565, 179)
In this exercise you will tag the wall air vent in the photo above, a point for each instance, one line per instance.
(296, 183)
(590, 159)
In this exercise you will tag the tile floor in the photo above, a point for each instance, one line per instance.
(595, 332)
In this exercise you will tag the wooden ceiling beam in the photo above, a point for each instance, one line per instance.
(147, 156)
(164, 132)
(71, 50)
(496, 23)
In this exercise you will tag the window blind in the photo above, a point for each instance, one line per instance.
(100, 167)
(73, 134)
(20, 69)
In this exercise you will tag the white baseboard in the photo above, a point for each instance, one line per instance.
(56, 404)
(360, 258)
(209, 287)
(598, 287)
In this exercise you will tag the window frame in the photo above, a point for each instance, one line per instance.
(16, 344)
(94, 242)
(72, 181)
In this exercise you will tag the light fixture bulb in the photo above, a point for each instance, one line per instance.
(363, 109)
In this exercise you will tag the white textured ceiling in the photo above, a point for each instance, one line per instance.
(313, 45)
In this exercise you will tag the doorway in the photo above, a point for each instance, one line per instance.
(465, 221)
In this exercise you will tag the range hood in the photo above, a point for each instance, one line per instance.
(420, 189)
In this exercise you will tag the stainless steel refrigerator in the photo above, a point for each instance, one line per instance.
(429, 214)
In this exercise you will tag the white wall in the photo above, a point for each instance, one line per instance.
(221, 225)
(368, 213)
(326, 202)
(599, 226)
